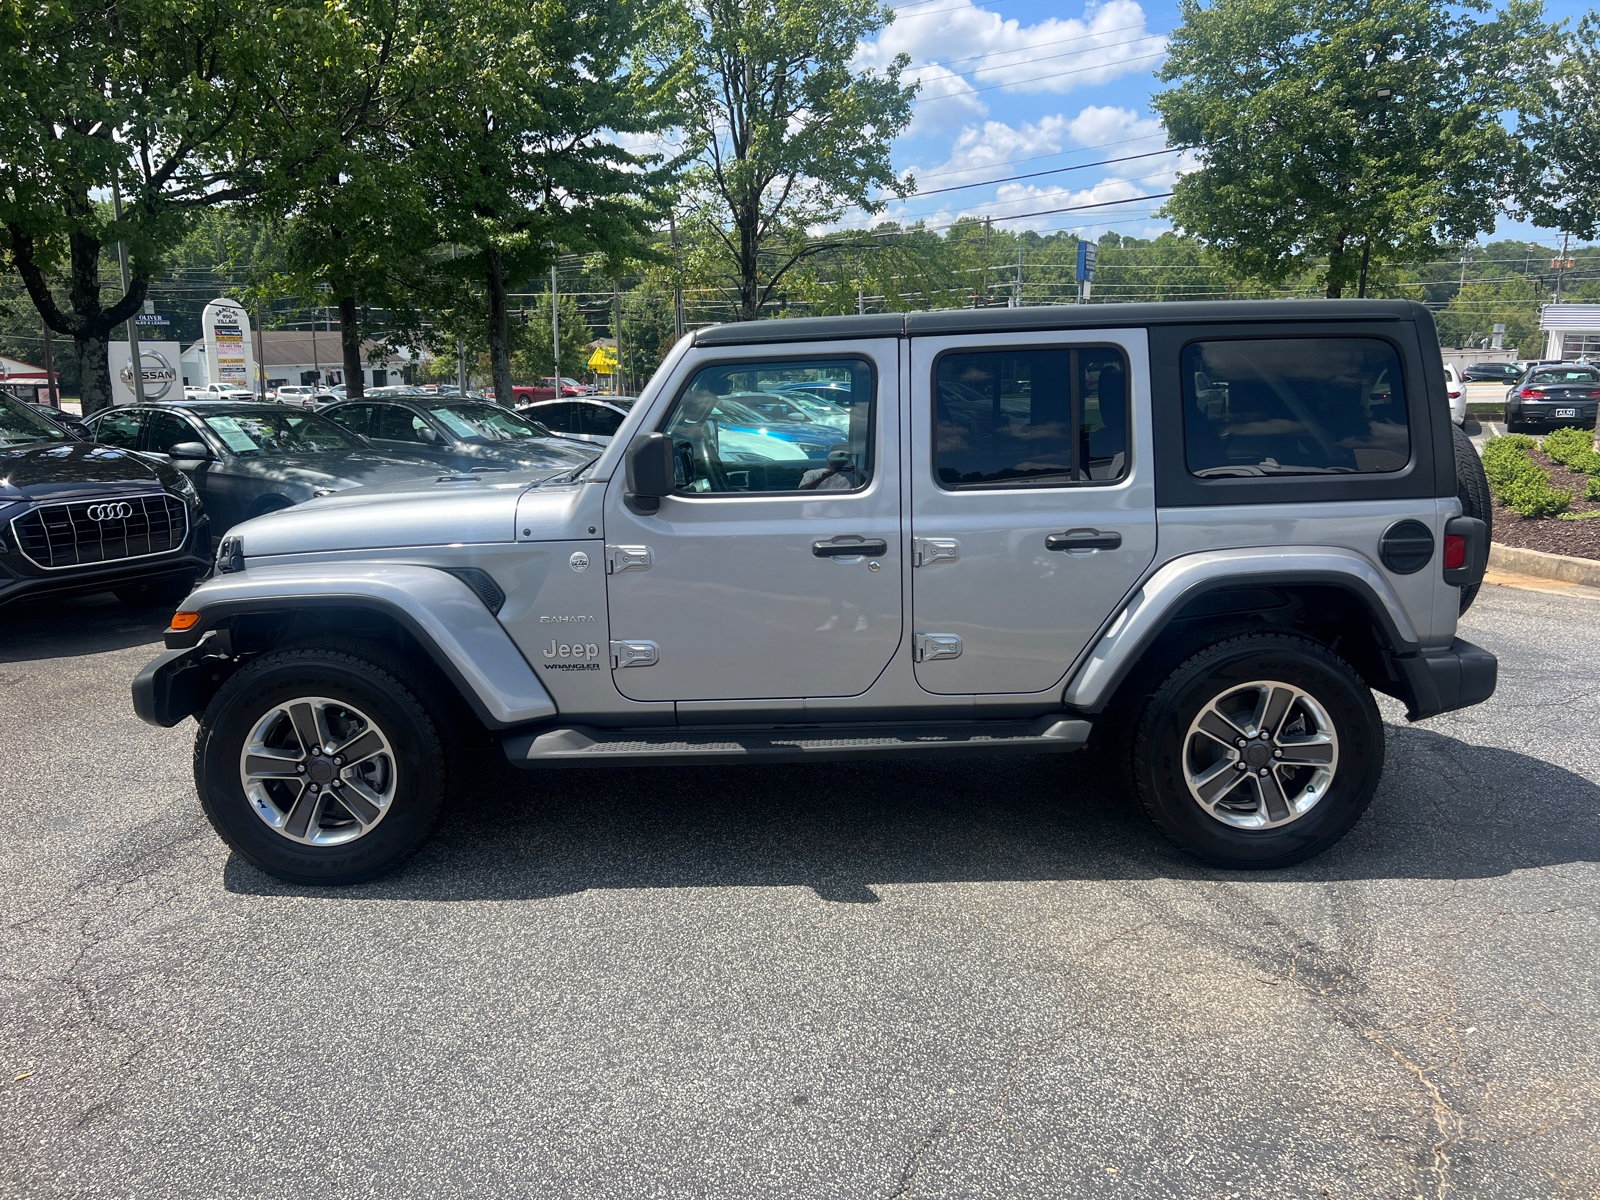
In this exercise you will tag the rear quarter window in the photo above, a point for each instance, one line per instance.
(1274, 407)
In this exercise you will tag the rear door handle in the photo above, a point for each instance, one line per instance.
(838, 549)
(1083, 539)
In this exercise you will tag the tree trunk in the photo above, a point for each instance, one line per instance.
(94, 372)
(749, 266)
(499, 327)
(1335, 284)
(350, 342)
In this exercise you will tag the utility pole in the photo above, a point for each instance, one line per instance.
(861, 303)
(677, 267)
(461, 344)
(134, 357)
(555, 327)
(1366, 249)
(616, 300)
(50, 367)
(261, 357)
(316, 359)
(1561, 272)
(1016, 299)
(988, 228)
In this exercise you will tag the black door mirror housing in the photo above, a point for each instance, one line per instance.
(649, 472)
(197, 451)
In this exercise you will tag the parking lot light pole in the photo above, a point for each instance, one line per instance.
(135, 359)
(555, 329)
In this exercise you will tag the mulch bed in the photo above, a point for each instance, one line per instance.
(1581, 539)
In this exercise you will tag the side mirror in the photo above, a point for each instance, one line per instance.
(649, 472)
(427, 434)
(196, 451)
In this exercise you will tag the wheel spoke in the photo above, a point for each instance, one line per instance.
(267, 765)
(361, 748)
(360, 805)
(305, 814)
(1277, 707)
(305, 727)
(1297, 754)
(1218, 726)
(1272, 797)
(1217, 782)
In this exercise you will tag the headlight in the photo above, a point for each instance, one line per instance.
(185, 488)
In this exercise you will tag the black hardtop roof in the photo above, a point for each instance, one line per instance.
(1052, 316)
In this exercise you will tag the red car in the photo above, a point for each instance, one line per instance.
(545, 390)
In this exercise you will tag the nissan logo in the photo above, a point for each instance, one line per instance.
(110, 512)
(157, 372)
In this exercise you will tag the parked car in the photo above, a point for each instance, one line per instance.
(463, 435)
(938, 588)
(76, 517)
(76, 428)
(218, 391)
(249, 459)
(1492, 372)
(592, 419)
(297, 393)
(1559, 394)
(1456, 391)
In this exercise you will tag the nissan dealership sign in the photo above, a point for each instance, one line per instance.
(158, 366)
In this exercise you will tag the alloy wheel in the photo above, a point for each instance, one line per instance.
(1260, 755)
(318, 771)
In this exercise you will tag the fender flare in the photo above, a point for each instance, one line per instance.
(1162, 596)
(443, 614)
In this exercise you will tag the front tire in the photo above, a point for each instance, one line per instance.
(322, 766)
(1259, 751)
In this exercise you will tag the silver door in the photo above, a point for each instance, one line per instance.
(1021, 560)
(744, 584)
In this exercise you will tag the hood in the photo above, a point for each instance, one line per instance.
(66, 470)
(342, 469)
(557, 454)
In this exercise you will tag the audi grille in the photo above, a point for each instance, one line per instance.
(85, 532)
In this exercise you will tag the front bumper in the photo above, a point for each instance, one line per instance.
(1441, 681)
(19, 581)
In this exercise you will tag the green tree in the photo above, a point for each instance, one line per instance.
(1561, 188)
(182, 104)
(534, 358)
(1337, 133)
(519, 150)
(786, 134)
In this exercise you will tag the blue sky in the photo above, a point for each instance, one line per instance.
(1013, 87)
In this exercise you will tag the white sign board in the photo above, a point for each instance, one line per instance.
(160, 369)
(230, 358)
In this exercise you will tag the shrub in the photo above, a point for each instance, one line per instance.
(1592, 491)
(1565, 445)
(1518, 481)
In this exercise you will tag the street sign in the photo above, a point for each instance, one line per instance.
(1087, 253)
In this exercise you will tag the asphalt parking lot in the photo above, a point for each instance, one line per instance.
(895, 980)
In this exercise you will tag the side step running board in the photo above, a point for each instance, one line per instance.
(581, 746)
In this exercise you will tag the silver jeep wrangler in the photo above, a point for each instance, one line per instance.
(1193, 536)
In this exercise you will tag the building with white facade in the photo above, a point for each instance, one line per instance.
(1571, 331)
(302, 356)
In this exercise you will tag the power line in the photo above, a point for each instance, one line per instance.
(1084, 37)
(1036, 78)
(1104, 162)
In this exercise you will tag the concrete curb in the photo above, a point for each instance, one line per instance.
(1546, 566)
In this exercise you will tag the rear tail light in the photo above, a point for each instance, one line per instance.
(1530, 393)
(1455, 551)
(1454, 393)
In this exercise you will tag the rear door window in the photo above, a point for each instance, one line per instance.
(121, 428)
(600, 421)
(1030, 418)
(1272, 407)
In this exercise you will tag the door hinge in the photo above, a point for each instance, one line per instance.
(931, 550)
(627, 558)
(938, 645)
(634, 654)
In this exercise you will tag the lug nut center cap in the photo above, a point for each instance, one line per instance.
(320, 770)
(1259, 754)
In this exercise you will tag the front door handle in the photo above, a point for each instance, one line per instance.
(838, 549)
(1083, 539)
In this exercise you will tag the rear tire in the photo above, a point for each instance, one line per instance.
(377, 794)
(1290, 805)
(1472, 487)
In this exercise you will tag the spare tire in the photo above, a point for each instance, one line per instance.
(1472, 487)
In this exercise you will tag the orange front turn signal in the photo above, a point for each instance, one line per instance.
(183, 620)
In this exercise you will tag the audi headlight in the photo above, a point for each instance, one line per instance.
(185, 488)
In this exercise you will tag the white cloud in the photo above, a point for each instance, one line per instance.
(1100, 125)
(978, 151)
(1052, 56)
(945, 101)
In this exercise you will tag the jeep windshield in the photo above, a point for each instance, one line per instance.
(250, 433)
(487, 423)
(20, 427)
